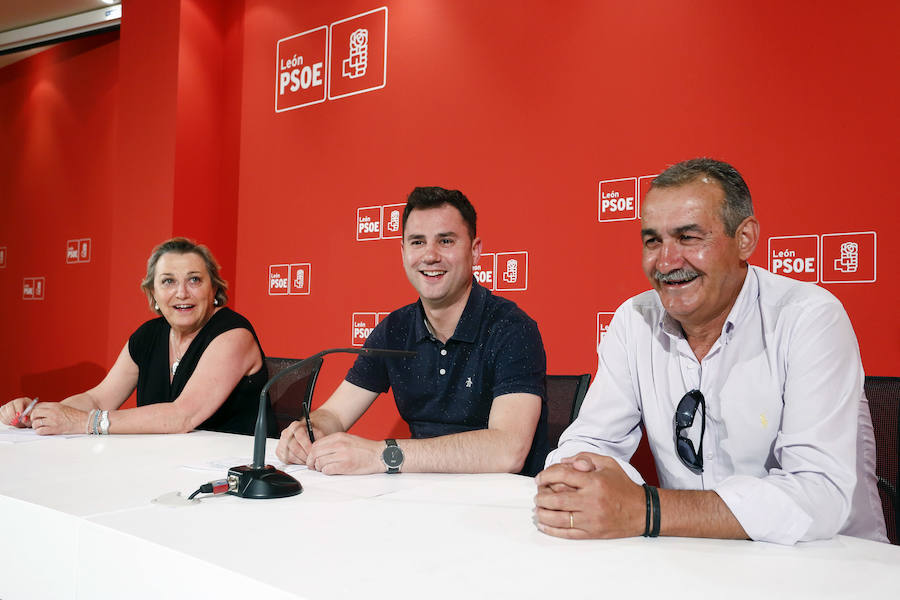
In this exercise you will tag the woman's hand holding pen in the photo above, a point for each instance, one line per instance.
(17, 412)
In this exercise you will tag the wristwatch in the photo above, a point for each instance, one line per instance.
(104, 422)
(392, 456)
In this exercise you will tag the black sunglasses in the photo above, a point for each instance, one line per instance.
(684, 418)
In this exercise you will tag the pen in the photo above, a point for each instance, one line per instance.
(25, 412)
(309, 430)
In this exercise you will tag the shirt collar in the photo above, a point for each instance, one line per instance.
(421, 328)
(743, 304)
(469, 322)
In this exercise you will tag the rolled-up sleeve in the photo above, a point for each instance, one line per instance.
(807, 492)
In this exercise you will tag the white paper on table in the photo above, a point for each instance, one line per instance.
(223, 464)
(17, 435)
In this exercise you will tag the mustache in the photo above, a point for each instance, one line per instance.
(678, 275)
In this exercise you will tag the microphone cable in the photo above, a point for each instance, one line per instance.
(216, 487)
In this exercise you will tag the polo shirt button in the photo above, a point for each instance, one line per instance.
(443, 371)
(443, 352)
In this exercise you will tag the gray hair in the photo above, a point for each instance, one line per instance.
(737, 205)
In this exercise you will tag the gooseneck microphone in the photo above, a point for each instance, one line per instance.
(259, 480)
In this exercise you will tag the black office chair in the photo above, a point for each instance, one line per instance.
(288, 393)
(883, 394)
(565, 394)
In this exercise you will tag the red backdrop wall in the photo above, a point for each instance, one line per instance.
(533, 109)
(527, 107)
(57, 116)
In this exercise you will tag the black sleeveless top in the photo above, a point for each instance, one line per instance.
(149, 349)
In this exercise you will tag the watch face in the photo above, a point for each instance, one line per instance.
(392, 456)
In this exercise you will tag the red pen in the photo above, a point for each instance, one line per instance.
(24, 413)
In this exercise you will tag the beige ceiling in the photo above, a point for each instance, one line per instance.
(20, 13)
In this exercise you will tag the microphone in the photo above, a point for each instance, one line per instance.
(259, 480)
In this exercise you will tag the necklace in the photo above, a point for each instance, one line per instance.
(175, 352)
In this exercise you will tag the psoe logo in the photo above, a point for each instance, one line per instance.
(289, 279)
(795, 256)
(379, 222)
(300, 69)
(362, 324)
(358, 56)
(368, 223)
(345, 58)
(299, 279)
(391, 221)
(78, 251)
(603, 321)
(849, 257)
(618, 200)
(358, 62)
(279, 276)
(511, 271)
(33, 288)
(2, 257)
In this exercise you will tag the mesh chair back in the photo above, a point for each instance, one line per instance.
(564, 396)
(883, 394)
(288, 393)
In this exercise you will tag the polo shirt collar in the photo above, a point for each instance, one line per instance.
(469, 322)
(421, 330)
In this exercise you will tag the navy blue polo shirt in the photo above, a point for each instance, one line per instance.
(449, 388)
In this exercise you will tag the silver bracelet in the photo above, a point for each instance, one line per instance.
(90, 420)
(104, 422)
(95, 426)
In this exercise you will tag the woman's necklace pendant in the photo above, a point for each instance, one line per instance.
(175, 352)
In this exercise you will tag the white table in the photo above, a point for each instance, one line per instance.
(78, 522)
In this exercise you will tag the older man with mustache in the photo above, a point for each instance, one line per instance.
(749, 385)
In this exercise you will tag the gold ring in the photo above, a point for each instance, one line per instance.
(571, 520)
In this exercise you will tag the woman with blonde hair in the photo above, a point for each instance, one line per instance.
(199, 365)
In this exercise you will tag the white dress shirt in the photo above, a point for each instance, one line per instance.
(788, 444)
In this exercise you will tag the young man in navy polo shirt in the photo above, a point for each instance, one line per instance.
(473, 396)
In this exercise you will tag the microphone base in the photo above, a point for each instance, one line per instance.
(263, 482)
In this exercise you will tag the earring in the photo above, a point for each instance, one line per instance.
(155, 306)
(216, 302)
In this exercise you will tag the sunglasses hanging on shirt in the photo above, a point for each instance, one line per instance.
(684, 419)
